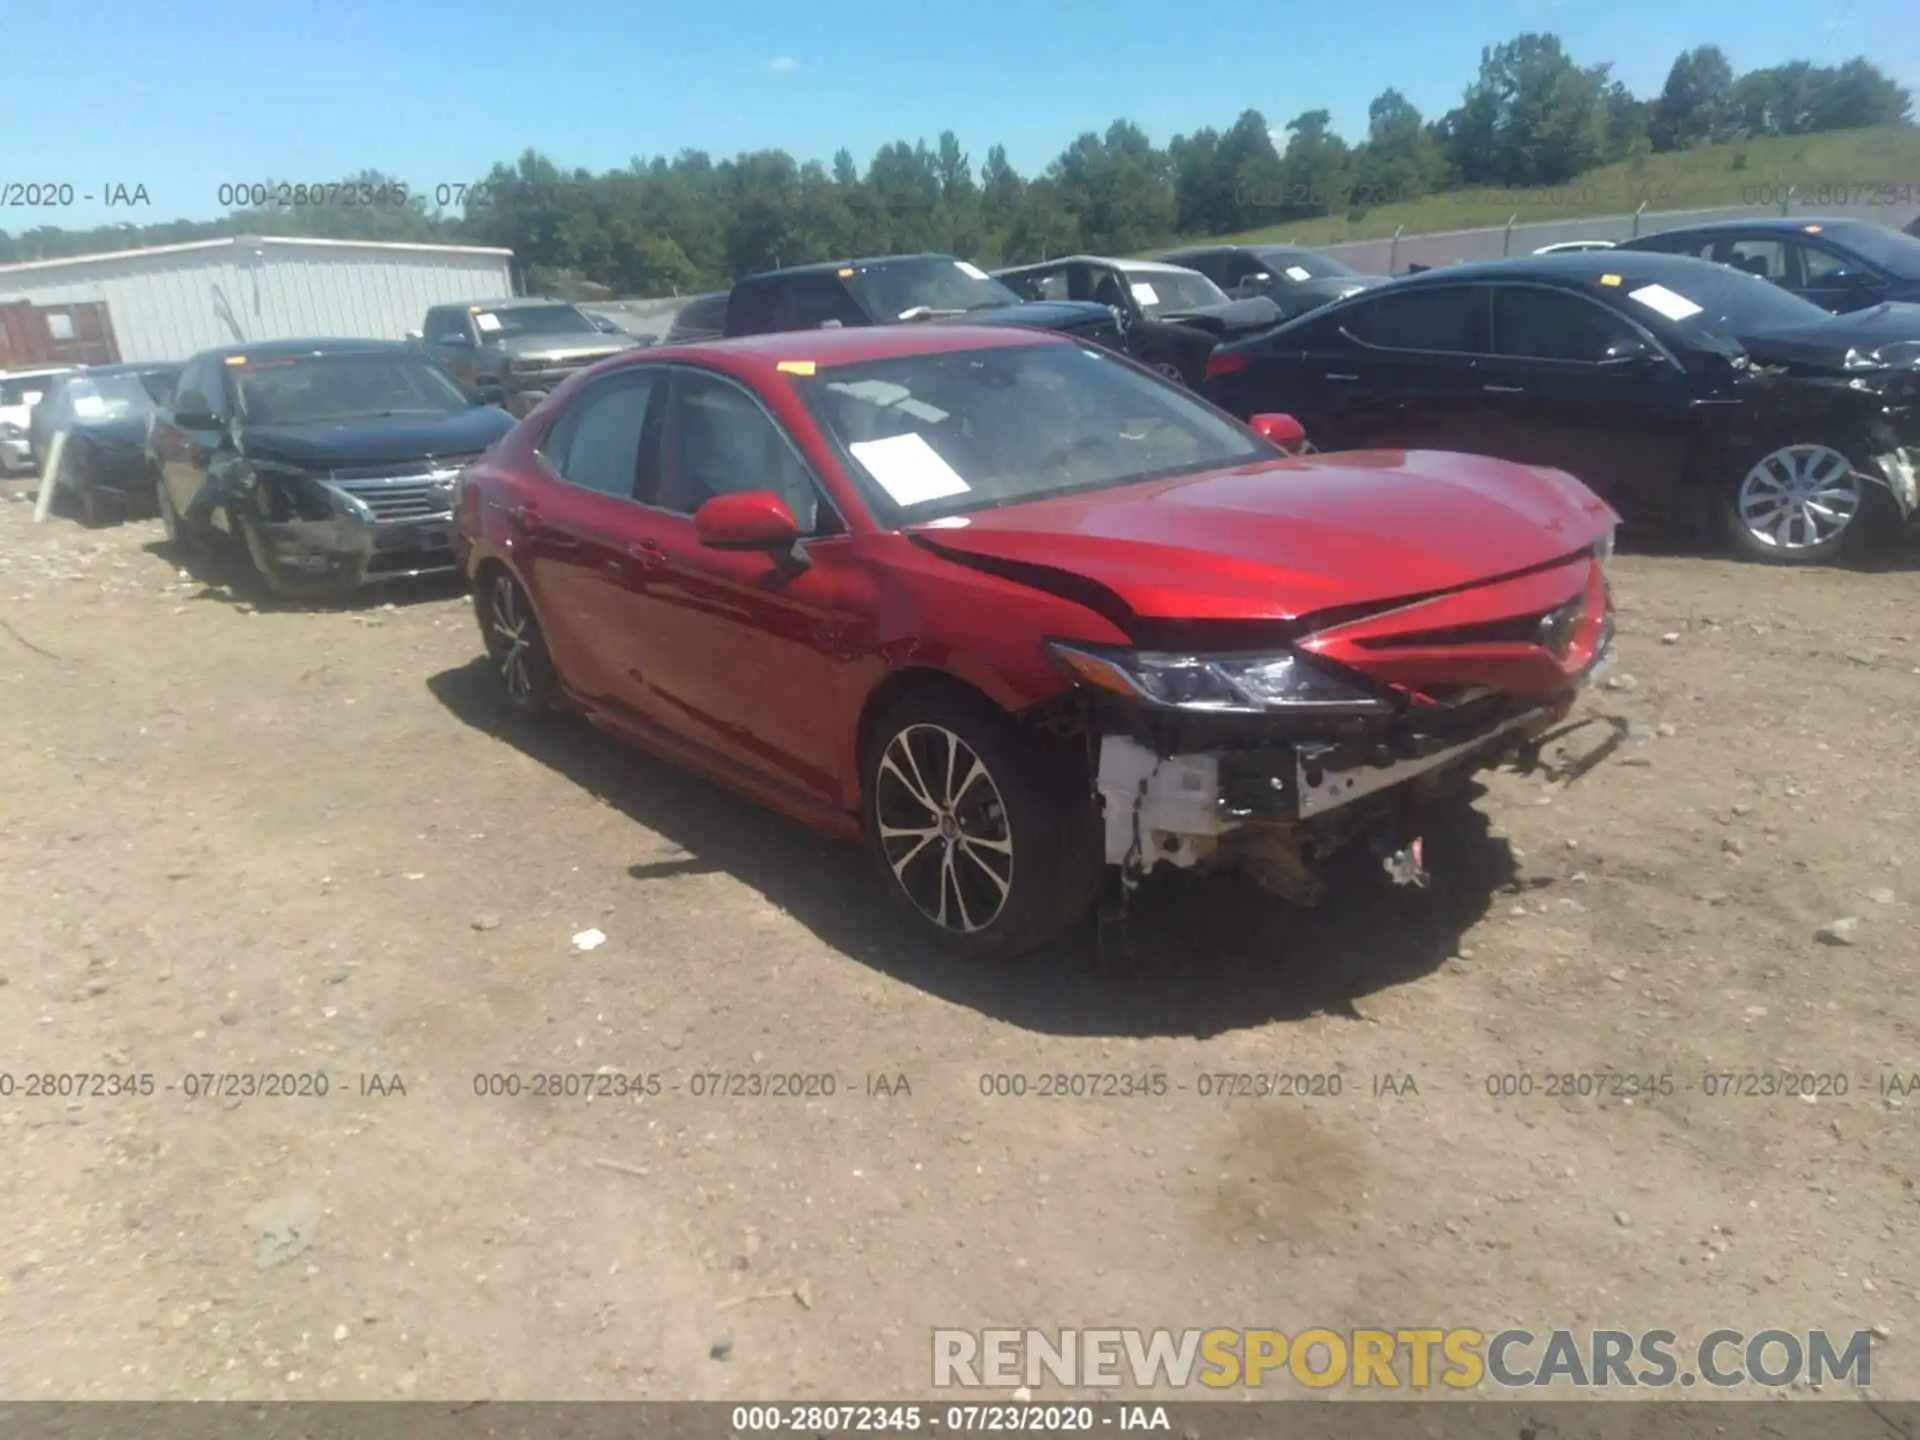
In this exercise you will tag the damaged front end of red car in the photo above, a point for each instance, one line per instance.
(1272, 748)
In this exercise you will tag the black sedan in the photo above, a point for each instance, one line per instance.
(1839, 265)
(1173, 316)
(1680, 390)
(324, 464)
(1296, 280)
(104, 411)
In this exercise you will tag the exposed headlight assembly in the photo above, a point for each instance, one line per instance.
(1242, 684)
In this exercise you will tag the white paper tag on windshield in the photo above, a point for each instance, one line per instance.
(972, 270)
(1145, 293)
(487, 323)
(909, 469)
(1670, 304)
(1298, 272)
(88, 405)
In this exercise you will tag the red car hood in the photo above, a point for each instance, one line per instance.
(1286, 538)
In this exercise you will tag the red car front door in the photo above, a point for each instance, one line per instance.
(747, 653)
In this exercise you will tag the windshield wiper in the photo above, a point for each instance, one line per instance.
(927, 312)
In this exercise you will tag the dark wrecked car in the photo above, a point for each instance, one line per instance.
(1296, 280)
(1685, 392)
(1173, 316)
(105, 411)
(903, 290)
(323, 464)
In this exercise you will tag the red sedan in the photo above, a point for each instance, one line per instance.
(1023, 613)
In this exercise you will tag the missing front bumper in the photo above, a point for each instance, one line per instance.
(1281, 806)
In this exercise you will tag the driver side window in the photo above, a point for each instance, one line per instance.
(720, 441)
(446, 327)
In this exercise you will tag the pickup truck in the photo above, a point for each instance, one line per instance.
(524, 348)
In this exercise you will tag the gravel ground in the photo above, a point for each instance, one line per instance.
(308, 844)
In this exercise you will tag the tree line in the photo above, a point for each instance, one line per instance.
(1532, 117)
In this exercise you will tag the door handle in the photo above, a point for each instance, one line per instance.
(528, 518)
(1504, 389)
(1332, 376)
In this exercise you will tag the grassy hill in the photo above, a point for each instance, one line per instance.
(1852, 167)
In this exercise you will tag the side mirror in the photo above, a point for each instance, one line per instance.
(749, 520)
(1281, 430)
(490, 392)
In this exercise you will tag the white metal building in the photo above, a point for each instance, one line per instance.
(166, 302)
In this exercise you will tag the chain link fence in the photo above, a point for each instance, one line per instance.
(1392, 256)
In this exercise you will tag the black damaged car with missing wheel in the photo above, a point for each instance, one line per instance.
(322, 465)
(105, 412)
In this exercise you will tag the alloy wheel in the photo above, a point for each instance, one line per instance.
(943, 828)
(514, 635)
(1171, 371)
(1799, 497)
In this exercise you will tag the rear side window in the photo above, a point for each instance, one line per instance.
(753, 308)
(1450, 320)
(1698, 246)
(599, 444)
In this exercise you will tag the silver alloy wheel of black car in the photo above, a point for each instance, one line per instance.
(1799, 498)
(943, 828)
(1171, 371)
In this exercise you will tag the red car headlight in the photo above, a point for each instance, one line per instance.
(1248, 684)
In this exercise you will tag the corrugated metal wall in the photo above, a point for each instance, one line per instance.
(167, 304)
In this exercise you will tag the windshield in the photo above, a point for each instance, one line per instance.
(24, 389)
(1721, 303)
(935, 283)
(533, 320)
(115, 397)
(942, 434)
(1889, 249)
(1298, 265)
(300, 389)
(1159, 290)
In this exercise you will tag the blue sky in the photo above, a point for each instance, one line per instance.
(188, 96)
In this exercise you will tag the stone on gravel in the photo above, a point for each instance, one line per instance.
(1844, 931)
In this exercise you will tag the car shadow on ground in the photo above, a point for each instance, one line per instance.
(1197, 957)
(224, 576)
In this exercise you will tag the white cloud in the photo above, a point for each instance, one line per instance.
(783, 63)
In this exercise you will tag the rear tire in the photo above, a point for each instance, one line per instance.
(988, 839)
(1802, 503)
(516, 648)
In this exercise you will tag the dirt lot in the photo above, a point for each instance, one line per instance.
(244, 841)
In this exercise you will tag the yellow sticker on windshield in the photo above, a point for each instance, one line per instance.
(847, 273)
(236, 359)
(1813, 229)
(1609, 279)
(796, 367)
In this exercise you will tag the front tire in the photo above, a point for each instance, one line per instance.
(516, 648)
(1801, 504)
(988, 839)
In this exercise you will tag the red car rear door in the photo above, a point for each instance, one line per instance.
(575, 530)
